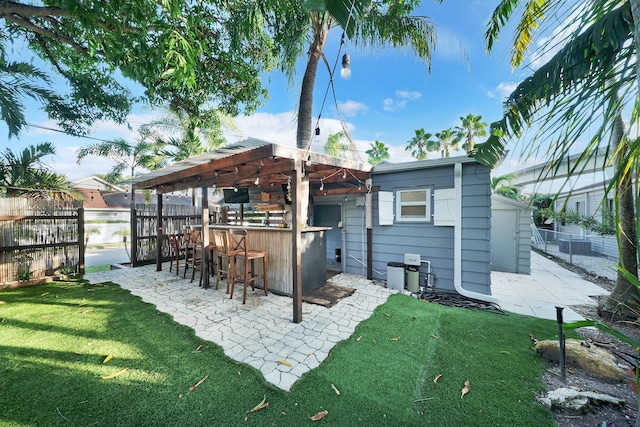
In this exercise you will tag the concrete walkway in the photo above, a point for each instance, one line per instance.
(548, 286)
(263, 335)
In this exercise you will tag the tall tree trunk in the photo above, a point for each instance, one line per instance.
(305, 109)
(624, 291)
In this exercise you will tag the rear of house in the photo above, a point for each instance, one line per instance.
(437, 209)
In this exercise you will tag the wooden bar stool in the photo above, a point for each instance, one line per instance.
(188, 251)
(197, 256)
(223, 251)
(177, 249)
(238, 240)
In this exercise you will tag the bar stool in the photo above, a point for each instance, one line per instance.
(239, 247)
(197, 256)
(177, 249)
(223, 250)
(188, 245)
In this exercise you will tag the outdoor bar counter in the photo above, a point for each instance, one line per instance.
(276, 242)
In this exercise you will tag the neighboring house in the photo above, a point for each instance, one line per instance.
(590, 201)
(510, 235)
(107, 209)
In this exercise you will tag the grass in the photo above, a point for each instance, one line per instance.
(97, 268)
(54, 338)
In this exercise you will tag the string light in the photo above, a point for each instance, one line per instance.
(321, 185)
(257, 182)
(344, 174)
(345, 72)
(309, 160)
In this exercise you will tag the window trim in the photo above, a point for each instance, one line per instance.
(427, 204)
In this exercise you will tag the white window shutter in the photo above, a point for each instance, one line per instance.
(385, 207)
(444, 207)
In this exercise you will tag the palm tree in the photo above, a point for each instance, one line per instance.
(25, 174)
(594, 71)
(143, 153)
(335, 147)
(502, 185)
(446, 142)
(472, 126)
(421, 144)
(378, 152)
(301, 28)
(180, 135)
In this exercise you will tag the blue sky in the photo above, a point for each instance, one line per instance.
(389, 95)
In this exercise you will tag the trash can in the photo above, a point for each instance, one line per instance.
(413, 278)
(395, 275)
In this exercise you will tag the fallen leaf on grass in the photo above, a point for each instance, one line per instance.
(193, 387)
(85, 311)
(284, 362)
(435, 380)
(335, 389)
(359, 338)
(108, 377)
(374, 342)
(43, 294)
(387, 314)
(395, 338)
(260, 405)
(466, 389)
(107, 358)
(198, 349)
(504, 352)
(320, 415)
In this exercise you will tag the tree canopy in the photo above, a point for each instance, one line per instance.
(181, 52)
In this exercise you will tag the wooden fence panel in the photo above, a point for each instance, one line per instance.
(39, 238)
(174, 220)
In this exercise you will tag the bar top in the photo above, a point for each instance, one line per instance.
(241, 227)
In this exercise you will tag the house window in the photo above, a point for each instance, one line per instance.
(579, 208)
(413, 205)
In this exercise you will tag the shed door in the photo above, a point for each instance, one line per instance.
(504, 245)
(331, 216)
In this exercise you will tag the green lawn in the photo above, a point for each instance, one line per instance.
(54, 338)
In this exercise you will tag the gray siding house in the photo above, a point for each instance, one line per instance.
(438, 209)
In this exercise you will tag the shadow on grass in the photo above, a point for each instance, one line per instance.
(384, 372)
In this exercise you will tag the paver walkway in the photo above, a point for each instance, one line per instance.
(260, 333)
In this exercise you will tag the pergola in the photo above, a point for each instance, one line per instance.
(262, 165)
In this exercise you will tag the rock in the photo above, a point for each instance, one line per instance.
(581, 401)
(595, 361)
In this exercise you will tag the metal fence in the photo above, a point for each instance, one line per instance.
(40, 238)
(585, 250)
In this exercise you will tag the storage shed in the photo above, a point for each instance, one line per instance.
(510, 235)
(438, 209)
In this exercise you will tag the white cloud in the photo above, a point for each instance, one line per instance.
(409, 95)
(400, 100)
(351, 108)
(279, 128)
(503, 90)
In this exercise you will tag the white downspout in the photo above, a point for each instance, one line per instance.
(457, 242)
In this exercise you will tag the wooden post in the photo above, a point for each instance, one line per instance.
(368, 202)
(81, 244)
(204, 264)
(296, 256)
(159, 233)
(134, 229)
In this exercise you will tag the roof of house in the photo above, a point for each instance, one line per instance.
(95, 183)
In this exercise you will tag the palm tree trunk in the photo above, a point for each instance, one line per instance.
(624, 291)
(305, 109)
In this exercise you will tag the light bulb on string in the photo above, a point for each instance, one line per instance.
(257, 182)
(345, 72)
(344, 174)
(321, 185)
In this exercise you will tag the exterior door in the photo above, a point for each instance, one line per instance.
(331, 216)
(504, 241)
